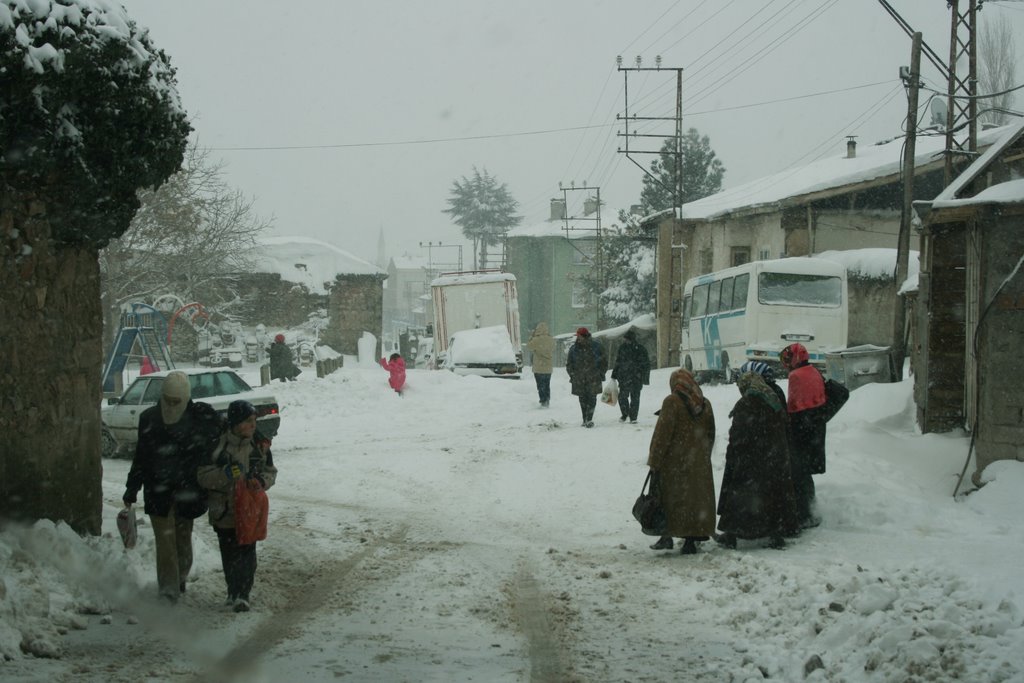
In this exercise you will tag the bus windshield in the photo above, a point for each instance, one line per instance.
(797, 289)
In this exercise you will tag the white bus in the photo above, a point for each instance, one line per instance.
(753, 311)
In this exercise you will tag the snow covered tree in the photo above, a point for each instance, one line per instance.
(626, 288)
(702, 173)
(997, 71)
(190, 237)
(88, 116)
(484, 209)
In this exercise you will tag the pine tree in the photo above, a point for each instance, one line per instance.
(484, 209)
(628, 286)
(702, 173)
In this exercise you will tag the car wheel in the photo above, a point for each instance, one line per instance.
(108, 443)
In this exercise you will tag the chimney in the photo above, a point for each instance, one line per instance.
(851, 146)
(557, 210)
(589, 206)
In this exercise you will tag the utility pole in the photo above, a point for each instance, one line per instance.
(912, 79)
(962, 112)
(669, 278)
(596, 219)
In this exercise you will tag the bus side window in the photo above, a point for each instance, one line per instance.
(739, 296)
(726, 297)
(700, 301)
(715, 297)
(686, 310)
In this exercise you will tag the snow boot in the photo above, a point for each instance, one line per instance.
(664, 543)
(689, 547)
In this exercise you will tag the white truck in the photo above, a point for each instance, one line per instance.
(472, 300)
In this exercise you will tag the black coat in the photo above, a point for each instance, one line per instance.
(632, 365)
(167, 457)
(281, 363)
(586, 365)
(757, 497)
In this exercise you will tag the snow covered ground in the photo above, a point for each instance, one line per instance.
(463, 533)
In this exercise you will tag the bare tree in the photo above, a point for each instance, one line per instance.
(191, 237)
(997, 70)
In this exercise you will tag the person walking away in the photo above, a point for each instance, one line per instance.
(806, 428)
(586, 365)
(632, 371)
(767, 374)
(396, 366)
(175, 437)
(282, 364)
(757, 499)
(542, 346)
(241, 453)
(680, 460)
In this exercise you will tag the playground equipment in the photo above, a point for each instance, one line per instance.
(141, 334)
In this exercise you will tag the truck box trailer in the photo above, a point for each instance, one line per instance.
(472, 300)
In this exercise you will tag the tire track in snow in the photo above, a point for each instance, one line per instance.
(532, 611)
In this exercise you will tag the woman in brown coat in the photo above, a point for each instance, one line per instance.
(680, 457)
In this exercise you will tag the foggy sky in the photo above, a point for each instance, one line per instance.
(364, 100)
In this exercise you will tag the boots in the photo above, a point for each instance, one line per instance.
(726, 541)
(664, 543)
(689, 547)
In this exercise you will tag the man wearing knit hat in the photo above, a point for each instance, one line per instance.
(586, 365)
(175, 436)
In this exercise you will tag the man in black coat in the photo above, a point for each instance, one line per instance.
(586, 365)
(632, 371)
(175, 437)
(282, 364)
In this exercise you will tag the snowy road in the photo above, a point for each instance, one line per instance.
(464, 534)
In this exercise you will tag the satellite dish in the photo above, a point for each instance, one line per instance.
(938, 108)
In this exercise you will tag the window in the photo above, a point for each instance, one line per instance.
(797, 289)
(135, 392)
(700, 301)
(714, 297)
(740, 255)
(706, 259)
(579, 296)
(686, 310)
(725, 301)
(739, 294)
(764, 255)
(582, 253)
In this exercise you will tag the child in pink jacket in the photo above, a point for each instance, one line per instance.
(396, 366)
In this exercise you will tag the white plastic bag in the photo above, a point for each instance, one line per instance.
(610, 394)
(128, 526)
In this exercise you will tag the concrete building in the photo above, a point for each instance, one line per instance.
(407, 304)
(848, 201)
(970, 304)
(549, 262)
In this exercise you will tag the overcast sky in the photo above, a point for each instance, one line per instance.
(344, 118)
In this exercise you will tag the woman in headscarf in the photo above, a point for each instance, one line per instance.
(757, 499)
(807, 417)
(680, 457)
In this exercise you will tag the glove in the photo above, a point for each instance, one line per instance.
(129, 498)
(233, 472)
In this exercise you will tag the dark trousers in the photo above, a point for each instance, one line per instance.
(543, 386)
(629, 400)
(239, 562)
(587, 404)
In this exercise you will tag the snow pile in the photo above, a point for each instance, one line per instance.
(482, 345)
(308, 262)
(871, 263)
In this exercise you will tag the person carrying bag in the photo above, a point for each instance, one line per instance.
(240, 470)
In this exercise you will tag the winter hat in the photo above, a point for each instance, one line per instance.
(175, 386)
(279, 339)
(761, 368)
(630, 334)
(582, 332)
(239, 411)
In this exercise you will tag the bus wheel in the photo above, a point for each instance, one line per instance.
(688, 364)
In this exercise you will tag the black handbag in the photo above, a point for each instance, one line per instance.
(836, 396)
(647, 508)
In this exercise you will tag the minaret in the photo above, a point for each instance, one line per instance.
(382, 259)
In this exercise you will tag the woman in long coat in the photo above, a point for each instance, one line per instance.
(757, 499)
(680, 457)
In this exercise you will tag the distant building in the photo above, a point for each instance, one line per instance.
(548, 263)
(407, 295)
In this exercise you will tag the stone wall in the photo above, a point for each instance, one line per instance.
(49, 372)
(276, 303)
(356, 305)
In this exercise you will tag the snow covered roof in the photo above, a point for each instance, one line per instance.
(471, 278)
(308, 261)
(1010, 192)
(406, 262)
(872, 162)
(870, 264)
(1008, 135)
